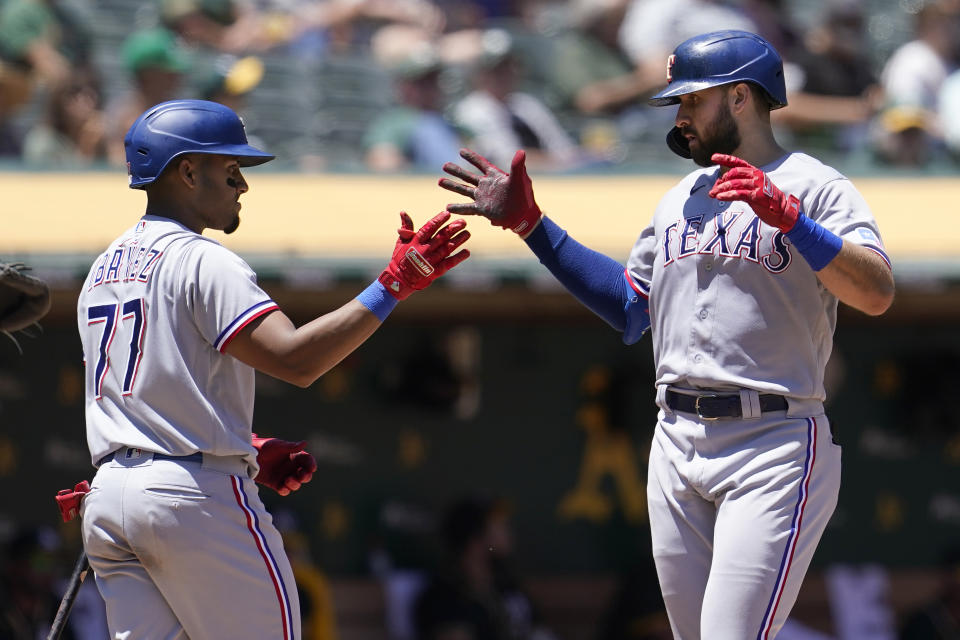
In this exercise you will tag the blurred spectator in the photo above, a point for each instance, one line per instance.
(47, 39)
(462, 15)
(652, 29)
(222, 25)
(940, 618)
(73, 133)
(413, 134)
(501, 119)
(773, 21)
(352, 23)
(908, 132)
(14, 89)
(477, 596)
(916, 70)
(591, 74)
(229, 80)
(41, 41)
(28, 601)
(948, 109)
(316, 600)
(437, 372)
(157, 62)
(905, 136)
(859, 597)
(831, 89)
(306, 28)
(636, 611)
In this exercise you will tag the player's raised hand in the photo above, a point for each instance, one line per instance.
(420, 257)
(284, 465)
(743, 181)
(506, 200)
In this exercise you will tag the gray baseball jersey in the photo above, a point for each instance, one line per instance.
(732, 304)
(155, 314)
(738, 505)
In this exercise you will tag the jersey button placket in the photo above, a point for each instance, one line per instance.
(701, 329)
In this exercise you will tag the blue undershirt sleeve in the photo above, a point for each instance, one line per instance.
(598, 281)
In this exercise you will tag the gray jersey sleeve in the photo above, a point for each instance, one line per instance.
(221, 292)
(839, 207)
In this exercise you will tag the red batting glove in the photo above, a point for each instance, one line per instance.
(422, 257)
(284, 465)
(743, 181)
(506, 200)
(69, 501)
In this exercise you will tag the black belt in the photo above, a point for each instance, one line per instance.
(193, 457)
(713, 406)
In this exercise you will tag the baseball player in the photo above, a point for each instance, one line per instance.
(173, 326)
(737, 277)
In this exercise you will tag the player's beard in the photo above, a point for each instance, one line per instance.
(230, 228)
(719, 136)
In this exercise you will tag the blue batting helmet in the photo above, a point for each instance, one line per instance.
(176, 127)
(723, 57)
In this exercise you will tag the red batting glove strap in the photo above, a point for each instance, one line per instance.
(742, 181)
(522, 210)
(69, 501)
(282, 462)
(791, 213)
(421, 257)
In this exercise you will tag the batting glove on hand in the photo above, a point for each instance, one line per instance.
(421, 257)
(743, 181)
(284, 465)
(68, 501)
(506, 200)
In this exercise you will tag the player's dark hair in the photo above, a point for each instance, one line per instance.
(765, 103)
(762, 101)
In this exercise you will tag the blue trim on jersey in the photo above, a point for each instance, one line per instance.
(879, 250)
(817, 244)
(253, 525)
(599, 282)
(376, 298)
(636, 285)
(797, 520)
(242, 320)
(637, 310)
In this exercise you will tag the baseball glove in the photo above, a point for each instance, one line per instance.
(24, 299)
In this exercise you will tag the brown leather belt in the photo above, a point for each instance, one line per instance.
(713, 406)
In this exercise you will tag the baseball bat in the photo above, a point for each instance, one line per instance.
(76, 579)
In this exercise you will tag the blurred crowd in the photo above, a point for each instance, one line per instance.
(400, 85)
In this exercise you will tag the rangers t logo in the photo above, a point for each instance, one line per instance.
(671, 60)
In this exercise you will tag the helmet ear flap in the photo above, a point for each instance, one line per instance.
(678, 144)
